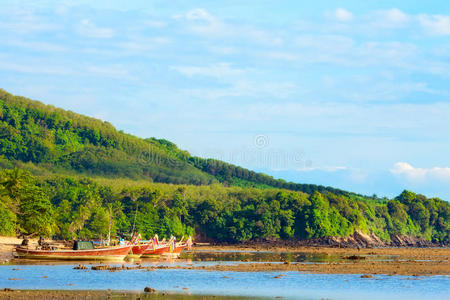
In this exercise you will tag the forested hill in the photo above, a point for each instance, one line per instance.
(69, 176)
(59, 141)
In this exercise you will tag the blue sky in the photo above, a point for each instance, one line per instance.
(352, 94)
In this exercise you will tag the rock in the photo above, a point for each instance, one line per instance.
(80, 267)
(15, 279)
(100, 268)
(366, 276)
(354, 257)
(148, 289)
(44, 276)
(7, 290)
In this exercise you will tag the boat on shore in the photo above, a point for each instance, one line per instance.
(156, 251)
(86, 253)
(138, 250)
(163, 250)
(175, 252)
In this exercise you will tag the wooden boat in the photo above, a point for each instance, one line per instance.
(108, 253)
(163, 250)
(157, 251)
(140, 249)
(176, 251)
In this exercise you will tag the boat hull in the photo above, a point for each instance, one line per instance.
(113, 253)
(176, 251)
(163, 250)
(140, 249)
(159, 250)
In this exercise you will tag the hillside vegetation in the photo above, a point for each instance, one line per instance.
(71, 176)
(62, 141)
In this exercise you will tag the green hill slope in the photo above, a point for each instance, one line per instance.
(71, 176)
(61, 140)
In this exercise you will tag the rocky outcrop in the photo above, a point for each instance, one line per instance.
(409, 241)
(357, 240)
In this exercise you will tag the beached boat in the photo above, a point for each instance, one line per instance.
(163, 250)
(175, 252)
(107, 253)
(140, 249)
(155, 251)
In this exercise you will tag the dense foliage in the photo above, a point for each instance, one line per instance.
(59, 140)
(70, 176)
(71, 207)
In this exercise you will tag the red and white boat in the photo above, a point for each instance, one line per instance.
(176, 251)
(140, 249)
(107, 253)
(164, 250)
(155, 251)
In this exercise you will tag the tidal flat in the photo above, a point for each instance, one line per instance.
(240, 272)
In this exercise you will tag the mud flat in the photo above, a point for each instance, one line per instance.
(97, 295)
(431, 253)
(400, 261)
(412, 268)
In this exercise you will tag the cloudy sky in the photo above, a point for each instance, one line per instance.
(352, 94)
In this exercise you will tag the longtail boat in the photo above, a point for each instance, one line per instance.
(108, 253)
(156, 251)
(140, 249)
(176, 251)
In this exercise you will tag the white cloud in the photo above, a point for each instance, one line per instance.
(24, 21)
(33, 68)
(119, 72)
(393, 18)
(247, 89)
(283, 56)
(328, 43)
(155, 24)
(404, 169)
(435, 24)
(39, 46)
(219, 70)
(343, 15)
(223, 50)
(200, 14)
(396, 16)
(204, 23)
(89, 29)
(330, 169)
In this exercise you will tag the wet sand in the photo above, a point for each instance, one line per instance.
(407, 261)
(406, 253)
(97, 295)
(412, 268)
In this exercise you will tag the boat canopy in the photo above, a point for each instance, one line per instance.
(79, 245)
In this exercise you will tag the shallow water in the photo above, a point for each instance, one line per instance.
(293, 285)
(268, 256)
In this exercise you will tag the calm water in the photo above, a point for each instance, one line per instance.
(268, 256)
(293, 285)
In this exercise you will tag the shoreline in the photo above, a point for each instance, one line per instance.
(106, 294)
(405, 261)
(399, 261)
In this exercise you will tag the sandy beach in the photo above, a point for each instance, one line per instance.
(7, 245)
